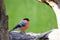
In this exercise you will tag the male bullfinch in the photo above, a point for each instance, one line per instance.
(23, 25)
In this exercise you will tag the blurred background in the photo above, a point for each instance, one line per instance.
(42, 17)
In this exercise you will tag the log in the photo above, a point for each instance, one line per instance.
(3, 22)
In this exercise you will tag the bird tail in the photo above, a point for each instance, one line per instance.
(15, 28)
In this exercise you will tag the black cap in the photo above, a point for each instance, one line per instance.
(26, 19)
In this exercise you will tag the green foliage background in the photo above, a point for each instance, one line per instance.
(42, 17)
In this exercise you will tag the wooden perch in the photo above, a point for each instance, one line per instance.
(3, 22)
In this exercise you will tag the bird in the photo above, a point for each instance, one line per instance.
(22, 25)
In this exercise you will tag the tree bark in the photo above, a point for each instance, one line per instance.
(3, 22)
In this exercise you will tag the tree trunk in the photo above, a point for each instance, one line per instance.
(3, 22)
